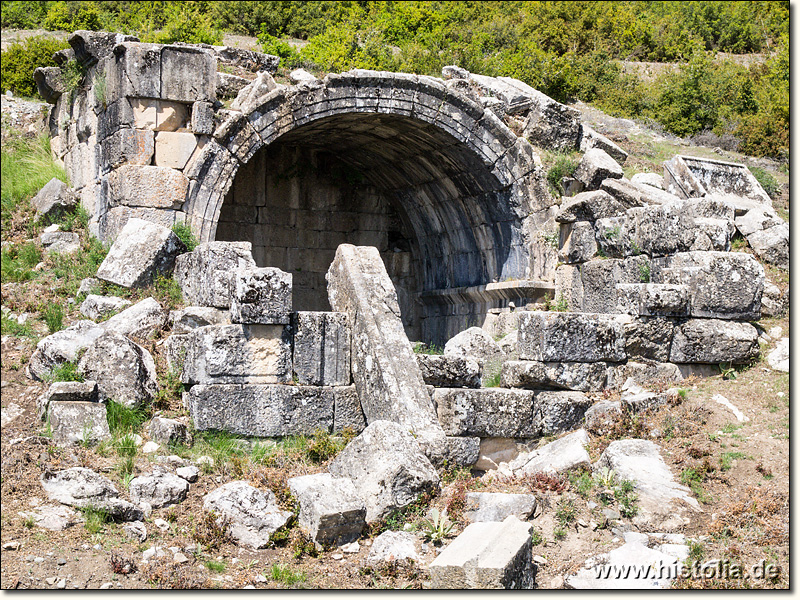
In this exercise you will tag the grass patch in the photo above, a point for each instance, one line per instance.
(95, 519)
(217, 566)
(12, 327)
(284, 574)
(694, 478)
(124, 420)
(564, 166)
(53, 316)
(67, 371)
(423, 348)
(727, 458)
(17, 262)
(185, 234)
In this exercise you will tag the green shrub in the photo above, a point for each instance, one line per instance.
(183, 22)
(766, 180)
(565, 166)
(278, 47)
(9, 326)
(53, 316)
(186, 235)
(21, 59)
(22, 15)
(67, 371)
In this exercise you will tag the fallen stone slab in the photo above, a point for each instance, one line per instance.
(62, 242)
(546, 336)
(486, 412)
(192, 317)
(321, 351)
(535, 375)
(330, 509)
(714, 341)
(53, 200)
(206, 274)
(82, 488)
(262, 296)
(387, 467)
(62, 346)
(592, 139)
(595, 166)
(141, 251)
(449, 371)
(589, 206)
(141, 320)
(393, 547)
(778, 358)
(557, 412)
(66, 391)
(54, 518)
(774, 303)
(772, 245)
(487, 556)
(168, 431)
(493, 506)
(550, 124)
(158, 489)
(73, 423)
(96, 307)
(249, 515)
(561, 455)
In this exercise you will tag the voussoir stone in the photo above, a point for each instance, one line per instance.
(206, 274)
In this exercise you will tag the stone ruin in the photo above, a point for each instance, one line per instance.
(341, 217)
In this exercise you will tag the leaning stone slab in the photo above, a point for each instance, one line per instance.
(561, 455)
(387, 467)
(262, 410)
(96, 307)
(571, 337)
(192, 317)
(62, 346)
(486, 412)
(124, 371)
(321, 352)
(262, 296)
(449, 371)
(550, 124)
(53, 200)
(66, 391)
(487, 556)
(330, 509)
(206, 274)
(385, 372)
(81, 487)
(491, 506)
(158, 489)
(252, 354)
(250, 515)
(772, 245)
(595, 166)
(141, 320)
(78, 423)
(592, 139)
(653, 299)
(557, 412)
(141, 251)
(714, 341)
(534, 375)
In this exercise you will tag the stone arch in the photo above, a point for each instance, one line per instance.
(468, 191)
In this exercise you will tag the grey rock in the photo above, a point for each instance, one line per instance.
(229, 86)
(96, 307)
(53, 200)
(589, 206)
(577, 242)
(347, 413)
(493, 506)
(321, 352)
(710, 207)
(141, 251)
(602, 415)
(124, 371)
(387, 467)
(713, 234)
(582, 377)
(772, 245)
(206, 274)
(592, 139)
(550, 124)
(649, 338)
(474, 343)
(595, 166)
(168, 431)
(75, 423)
(250, 515)
(561, 455)
(189, 473)
(262, 296)
(49, 83)
(486, 412)
(662, 230)
(141, 320)
(63, 242)
(203, 117)
(135, 530)
(462, 451)
(449, 371)
(301, 76)
(10, 413)
(87, 285)
(757, 219)
(159, 489)
(774, 303)
(579, 337)
(330, 509)
(645, 373)
(635, 399)
(175, 350)
(778, 358)
(557, 412)
(54, 518)
(392, 547)
(62, 346)
(246, 99)
(192, 317)
(653, 299)
(66, 391)
(487, 556)
(81, 488)
(652, 179)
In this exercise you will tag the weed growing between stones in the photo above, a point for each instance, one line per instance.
(126, 419)
(283, 573)
(563, 166)
(53, 316)
(186, 235)
(95, 519)
(67, 371)
(432, 349)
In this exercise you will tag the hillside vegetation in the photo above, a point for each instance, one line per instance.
(569, 50)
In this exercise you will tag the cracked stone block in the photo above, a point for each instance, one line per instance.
(330, 509)
(546, 336)
(75, 423)
(207, 273)
(321, 354)
(714, 341)
(581, 377)
(262, 296)
(486, 412)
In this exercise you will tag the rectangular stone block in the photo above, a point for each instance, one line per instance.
(577, 243)
(330, 509)
(571, 337)
(262, 296)
(578, 376)
(649, 338)
(78, 422)
(147, 186)
(206, 275)
(244, 354)
(347, 413)
(486, 412)
(714, 341)
(261, 410)
(558, 412)
(134, 69)
(66, 391)
(173, 149)
(131, 146)
(449, 371)
(159, 115)
(653, 299)
(321, 354)
(187, 75)
(600, 277)
(203, 118)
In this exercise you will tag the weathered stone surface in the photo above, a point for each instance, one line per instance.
(262, 410)
(206, 275)
(774, 303)
(141, 251)
(62, 346)
(158, 489)
(190, 473)
(653, 299)
(550, 124)
(173, 149)
(66, 391)
(713, 234)
(589, 206)
(168, 431)
(330, 509)
(81, 487)
(54, 518)
(78, 422)
(595, 166)
(147, 186)
(127, 146)
(262, 296)
(392, 547)
(248, 96)
(724, 285)
(772, 245)
(757, 219)
(494, 451)
(645, 373)
(462, 451)
(158, 115)
(578, 376)
(474, 343)
(96, 307)
(202, 118)
(652, 179)
(662, 230)
(387, 467)
(492, 506)
(624, 192)
(602, 416)
(321, 352)
(575, 337)
(577, 243)
(141, 320)
(347, 413)
(238, 354)
(53, 200)
(778, 358)
(49, 83)
(635, 399)
(301, 76)
(486, 412)
(649, 338)
(124, 371)
(250, 515)
(592, 139)
(247, 59)
(187, 74)
(136, 530)
(63, 242)
(557, 412)
(387, 378)
(192, 317)
(229, 86)
(561, 455)
(487, 556)
(449, 371)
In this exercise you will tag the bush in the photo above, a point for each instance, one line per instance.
(767, 181)
(565, 166)
(21, 59)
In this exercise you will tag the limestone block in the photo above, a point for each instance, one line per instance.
(250, 60)
(238, 354)
(387, 467)
(262, 296)
(321, 354)
(774, 303)
(387, 378)
(192, 317)
(757, 219)
(62, 242)
(778, 358)
(347, 413)
(301, 76)
(565, 453)
(133, 70)
(330, 509)
(653, 299)
(710, 207)
(723, 285)
(110, 224)
(147, 186)
(91, 46)
(557, 412)
(624, 192)
(595, 166)
(75, 423)
(592, 139)
(206, 275)
(652, 179)
(81, 487)
(573, 337)
(53, 200)
(662, 230)
(491, 506)
(477, 344)
(63, 346)
(168, 431)
(187, 75)
(228, 86)
(577, 243)
(486, 412)
(127, 146)
(589, 206)
(49, 83)
(552, 125)
(578, 376)
(202, 118)
(569, 287)
(159, 115)
(175, 350)
(649, 338)
(600, 277)
(159, 489)
(141, 320)
(449, 371)
(772, 245)
(393, 547)
(262, 410)
(96, 307)
(645, 373)
(124, 371)
(173, 149)
(714, 341)
(487, 555)
(246, 99)
(713, 234)
(66, 391)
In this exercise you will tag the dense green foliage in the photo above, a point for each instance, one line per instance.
(570, 50)
(20, 60)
